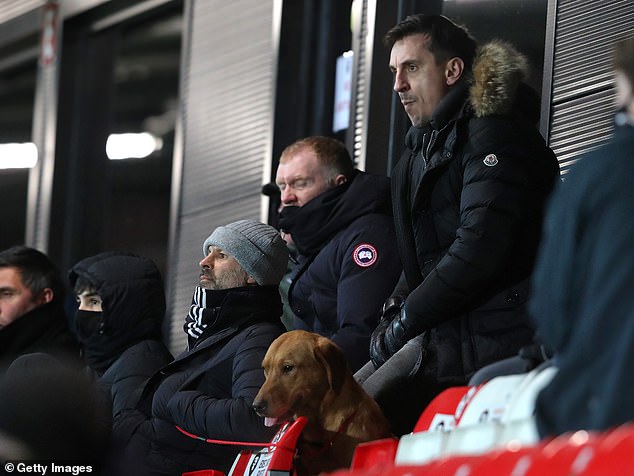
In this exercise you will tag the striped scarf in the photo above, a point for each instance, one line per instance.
(203, 312)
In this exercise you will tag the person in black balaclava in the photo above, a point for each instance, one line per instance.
(118, 324)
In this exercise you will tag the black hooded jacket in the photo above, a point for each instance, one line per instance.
(348, 263)
(125, 348)
(469, 196)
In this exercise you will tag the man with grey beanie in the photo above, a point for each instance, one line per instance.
(256, 247)
(208, 390)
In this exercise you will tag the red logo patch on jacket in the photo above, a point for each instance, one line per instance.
(365, 255)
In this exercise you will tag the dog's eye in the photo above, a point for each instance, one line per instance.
(287, 368)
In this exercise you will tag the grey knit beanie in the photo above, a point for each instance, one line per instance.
(257, 247)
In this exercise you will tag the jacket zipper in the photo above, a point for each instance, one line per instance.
(427, 150)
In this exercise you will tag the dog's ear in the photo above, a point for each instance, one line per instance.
(330, 356)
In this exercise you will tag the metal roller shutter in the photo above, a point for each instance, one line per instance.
(363, 13)
(583, 91)
(227, 113)
(10, 9)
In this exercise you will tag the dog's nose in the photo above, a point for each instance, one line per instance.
(260, 407)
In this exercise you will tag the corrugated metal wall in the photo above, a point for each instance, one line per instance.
(44, 129)
(362, 12)
(583, 92)
(10, 9)
(227, 118)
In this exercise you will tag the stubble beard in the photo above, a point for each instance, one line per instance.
(233, 278)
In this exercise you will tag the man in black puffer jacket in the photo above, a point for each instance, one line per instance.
(468, 198)
(208, 390)
(341, 225)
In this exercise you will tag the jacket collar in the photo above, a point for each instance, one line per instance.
(451, 106)
(316, 223)
(27, 329)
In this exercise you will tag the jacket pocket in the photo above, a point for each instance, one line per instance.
(498, 328)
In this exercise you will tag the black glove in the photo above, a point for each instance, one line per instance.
(396, 335)
(379, 349)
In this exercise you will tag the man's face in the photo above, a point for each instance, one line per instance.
(418, 80)
(219, 270)
(301, 178)
(15, 298)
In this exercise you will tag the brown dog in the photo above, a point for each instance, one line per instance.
(307, 375)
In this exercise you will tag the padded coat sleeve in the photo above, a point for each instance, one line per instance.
(363, 287)
(127, 376)
(228, 418)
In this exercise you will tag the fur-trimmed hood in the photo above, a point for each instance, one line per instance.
(494, 86)
(498, 73)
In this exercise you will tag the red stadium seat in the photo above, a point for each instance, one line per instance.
(514, 461)
(278, 457)
(614, 453)
(564, 455)
(204, 472)
(440, 414)
(407, 470)
(376, 471)
(374, 454)
(454, 466)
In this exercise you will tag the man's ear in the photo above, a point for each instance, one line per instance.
(340, 180)
(454, 70)
(45, 296)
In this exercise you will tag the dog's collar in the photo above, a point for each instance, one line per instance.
(323, 446)
(344, 425)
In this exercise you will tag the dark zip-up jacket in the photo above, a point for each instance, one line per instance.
(44, 329)
(207, 390)
(469, 228)
(340, 282)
